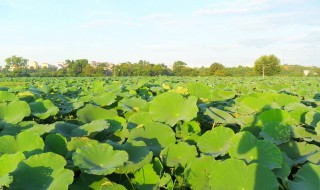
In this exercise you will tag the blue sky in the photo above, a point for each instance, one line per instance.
(199, 32)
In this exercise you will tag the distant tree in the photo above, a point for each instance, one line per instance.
(178, 64)
(215, 67)
(267, 65)
(75, 67)
(16, 61)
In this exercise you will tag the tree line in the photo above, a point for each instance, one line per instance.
(266, 65)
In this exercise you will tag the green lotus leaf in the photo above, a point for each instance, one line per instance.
(88, 181)
(139, 118)
(56, 143)
(283, 172)
(221, 95)
(104, 99)
(171, 107)
(305, 133)
(297, 111)
(99, 159)
(8, 163)
(134, 104)
(27, 96)
(246, 147)
(90, 113)
(249, 105)
(41, 129)
(314, 158)
(312, 118)
(275, 126)
(188, 131)
(77, 142)
(199, 90)
(219, 116)
(139, 155)
(156, 135)
(26, 142)
(146, 178)
(216, 142)
(43, 108)
(64, 128)
(90, 128)
(307, 177)
(180, 154)
(112, 186)
(42, 171)
(7, 96)
(299, 152)
(14, 112)
(198, 172)
(284, 99)
(253, 176)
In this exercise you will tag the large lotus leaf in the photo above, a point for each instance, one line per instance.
(112, 186)
(104, 99)
(199, 90)
(8, 163)
(89, 182)
(139, 155)
(26, 142)
(198, 172)
(307, 177)
(297, 111)
(56, 143)
(90, 113)
(42, 171)
(77, 142)
(312, 118)
(219, 116)
(146, 178)
(43, 108)
(253, 176)
(274, 115)
(99, 159)
(171, 107)
(180, 154)
(249, 105)
(284, 99)
(299, 152)
(188, 131)
(284, 171)
(246, 147)
(14, 112)
(7, 96)
(305, 133)
(27, 96)
(156, 135)
(41, 128)
(221, 95)
(134, 104)
(275, 125)
(139, 118)
(216, 142)
(64, 128)
(90, 128)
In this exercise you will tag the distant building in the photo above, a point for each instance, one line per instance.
(48, 66)
(62, 65)
(94, 64)
(33, 64)
(306, 72)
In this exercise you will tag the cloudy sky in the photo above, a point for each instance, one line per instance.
(199, 32)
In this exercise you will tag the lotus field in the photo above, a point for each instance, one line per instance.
(160, 133)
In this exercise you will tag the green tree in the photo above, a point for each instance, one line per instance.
(215, 67)
(75, 67)
(16, 61)
(267, 65)
(178, 65)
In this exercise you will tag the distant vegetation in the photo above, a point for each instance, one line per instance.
(265, 65)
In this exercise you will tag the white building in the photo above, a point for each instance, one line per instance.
(33, 64)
